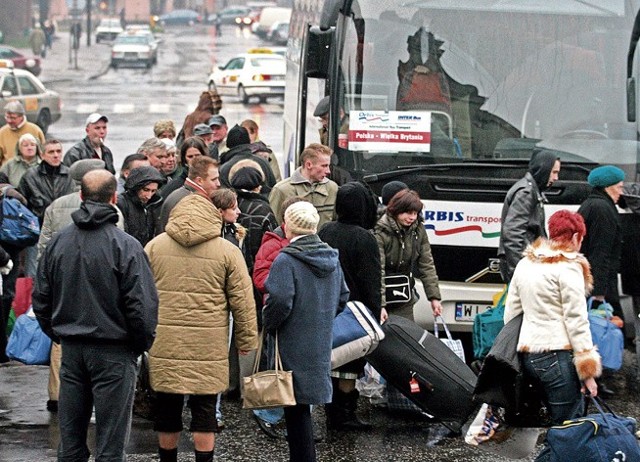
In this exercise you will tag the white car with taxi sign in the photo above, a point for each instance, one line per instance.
(259, 74)
(43, 106)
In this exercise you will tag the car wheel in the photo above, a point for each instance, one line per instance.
(44, 120)
(191, 23)
(149, 64)
(242, 94)
(97, 39)
(114, 64)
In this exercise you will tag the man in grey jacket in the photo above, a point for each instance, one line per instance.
(523, 219)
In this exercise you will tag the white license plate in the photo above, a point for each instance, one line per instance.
(467, 311)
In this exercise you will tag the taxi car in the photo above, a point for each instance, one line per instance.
(43, 106)
(134, 47)
(260, 74)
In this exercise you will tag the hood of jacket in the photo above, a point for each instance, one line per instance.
(356, 205)
(142, 176)
(540, 166)
(547, 251)
(235, 151)
(194, 220)
(93, 215)
(317, 255)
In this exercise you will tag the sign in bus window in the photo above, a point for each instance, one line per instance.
(389, 131)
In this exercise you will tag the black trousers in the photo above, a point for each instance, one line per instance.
(302, 447)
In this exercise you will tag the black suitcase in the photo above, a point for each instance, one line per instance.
(426, 371)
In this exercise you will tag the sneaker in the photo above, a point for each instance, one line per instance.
(267, 428)
(220, 425)
(52, 405)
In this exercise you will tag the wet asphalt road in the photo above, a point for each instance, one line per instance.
(29, 433)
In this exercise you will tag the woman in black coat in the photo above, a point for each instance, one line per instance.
(356, 208)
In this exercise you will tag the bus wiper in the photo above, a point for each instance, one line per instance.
(405, 169)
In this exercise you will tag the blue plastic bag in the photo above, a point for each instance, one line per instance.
(607, 336)
(27, 343)
(599, 437)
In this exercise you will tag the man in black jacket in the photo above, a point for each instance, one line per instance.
(92, 146)
(43, 184)
(103, 318)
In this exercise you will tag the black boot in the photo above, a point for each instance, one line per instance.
(341, 413)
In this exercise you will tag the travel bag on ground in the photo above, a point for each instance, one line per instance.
(426, 371)
(356, 333)
(598, 437)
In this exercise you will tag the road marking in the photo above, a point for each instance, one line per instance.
(159, 108)
(86, 108)
(123, 108)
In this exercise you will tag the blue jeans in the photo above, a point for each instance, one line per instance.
(100, 375)
(555, 373)
(272, 416)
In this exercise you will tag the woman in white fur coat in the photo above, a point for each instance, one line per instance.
(549, 286)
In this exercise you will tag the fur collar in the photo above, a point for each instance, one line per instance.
(547, 251)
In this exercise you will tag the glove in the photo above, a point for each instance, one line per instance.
(6, 269)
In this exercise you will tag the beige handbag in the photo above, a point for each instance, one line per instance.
(267, 389)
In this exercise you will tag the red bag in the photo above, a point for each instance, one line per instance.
(22, 299)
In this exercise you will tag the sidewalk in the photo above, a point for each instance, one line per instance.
(24, 395)
(59, 65)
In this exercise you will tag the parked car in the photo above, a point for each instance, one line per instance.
(248, 75)
(20, 61)
(180, 17)
(134, 48)
(108, 29)
(238, 15)
(43, 106)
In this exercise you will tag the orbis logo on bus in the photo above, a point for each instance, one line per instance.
(450, 222)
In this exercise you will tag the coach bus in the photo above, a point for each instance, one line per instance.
(453, 97)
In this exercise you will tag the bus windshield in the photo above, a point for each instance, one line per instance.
(428, 82)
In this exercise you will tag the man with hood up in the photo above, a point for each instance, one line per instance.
(140, 203)
(306, 289)
(356, 208)
(523, 219)
(201, 277)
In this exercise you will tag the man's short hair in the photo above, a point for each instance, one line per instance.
(313, 151)
(151, 145)
(130, 159)
(200, 167)
(98, 186)
(49, 141)
(14, 107)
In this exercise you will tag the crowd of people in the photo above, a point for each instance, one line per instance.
(198, 245)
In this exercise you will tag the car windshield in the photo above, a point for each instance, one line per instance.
(132, 40)
(266, 61)
(110, 23)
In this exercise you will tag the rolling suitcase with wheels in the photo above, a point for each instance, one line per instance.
(426, 371)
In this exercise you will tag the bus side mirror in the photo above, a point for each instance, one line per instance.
(631, 99)
(318, 53)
